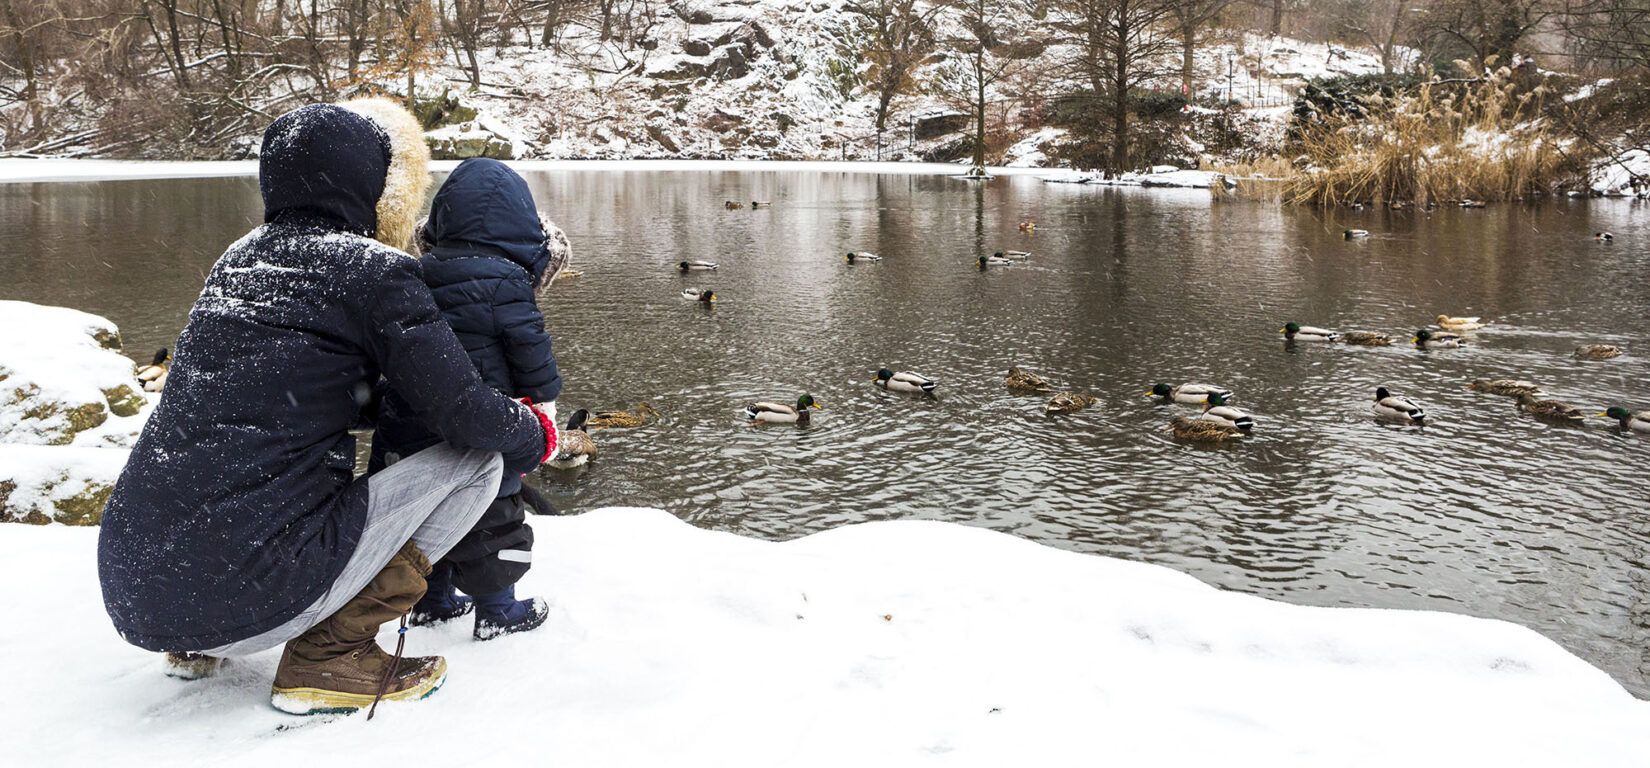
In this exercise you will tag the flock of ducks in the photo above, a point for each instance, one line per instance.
(1220, 422)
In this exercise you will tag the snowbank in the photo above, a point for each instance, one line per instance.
(1161, 176)
(1624, 175)
(900, 643)
(61, 373)
(45, 484)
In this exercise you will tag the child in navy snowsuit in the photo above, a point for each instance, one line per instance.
(487, 252)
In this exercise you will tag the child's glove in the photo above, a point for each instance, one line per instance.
(546, 413)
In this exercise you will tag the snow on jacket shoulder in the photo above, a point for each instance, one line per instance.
(489, 250)
(238, 507)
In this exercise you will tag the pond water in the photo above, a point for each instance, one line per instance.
(1485, 511)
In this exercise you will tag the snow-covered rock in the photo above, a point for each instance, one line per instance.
(883, 644)
(70, 407)
(1625, 175)
(466, 140)
(61, 373)
(63, 484)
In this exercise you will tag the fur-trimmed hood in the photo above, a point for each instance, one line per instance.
(362, 167)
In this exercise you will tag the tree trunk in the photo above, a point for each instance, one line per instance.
(1188, 46)
(25, 55)
(1277, 17)
(979, 113)
(1120, 113)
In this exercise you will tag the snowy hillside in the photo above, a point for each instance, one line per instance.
(901, 643)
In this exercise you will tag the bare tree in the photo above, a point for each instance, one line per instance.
(1117, 45)
(897, 38)
(975, 61)
(1386, 25)
(1614, 31)
(1485, 30)
(1191, 18)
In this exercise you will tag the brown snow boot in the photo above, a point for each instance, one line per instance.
(337, 665)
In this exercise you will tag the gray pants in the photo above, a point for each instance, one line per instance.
(433, 497)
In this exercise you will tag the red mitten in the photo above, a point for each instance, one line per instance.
(546, 420)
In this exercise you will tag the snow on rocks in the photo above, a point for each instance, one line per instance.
(61, 372)
(466, 140)
(891, 643)
(70, 406)
(1625, 175)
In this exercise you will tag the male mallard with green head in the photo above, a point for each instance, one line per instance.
(1426, 339)
(904, 381)
(1637, 422)
(767, 412)
(1398, 407)
(1293, 331)
(1216, 409)
(1188, 393)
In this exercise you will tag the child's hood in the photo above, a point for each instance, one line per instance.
(485, 208)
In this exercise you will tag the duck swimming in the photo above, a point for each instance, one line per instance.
(1597, 351)
(1426, 339)
(702, 295)
(153, 375)
(1013, 255)
(1505, 386)
(573, 445)
(1458, 324)
(993, 261)
(604, 419)
(695, 266)
(1637, 422)
(854, 258)
(1366, 339)
(1189, 393)
(1202, 430)
(1603, 237)
(904, 381)
(1217, 409)
(1297, 332)
(1353, 234)
(1550, 409)
(767, 412)
(1024, 381)
(1397, 407)
(1068, 402)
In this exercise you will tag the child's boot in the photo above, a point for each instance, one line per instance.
(500, 613)
(441, 602)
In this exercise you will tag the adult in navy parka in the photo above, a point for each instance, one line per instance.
(237, 525)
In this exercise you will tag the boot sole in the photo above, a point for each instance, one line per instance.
(319, 701)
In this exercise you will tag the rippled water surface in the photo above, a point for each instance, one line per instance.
(1484, 511)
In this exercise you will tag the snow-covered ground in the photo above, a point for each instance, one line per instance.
(884, 644)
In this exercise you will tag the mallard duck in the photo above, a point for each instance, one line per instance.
(696, 266)
(1597, 351)
(1638, 422)
(1603, 237)
(573, 445)
(1470, 203)
(153, 375)
(1353, 234)
(1459, 324)
(1296, 332)
(904, 381)
(1550, 409)
(1426, 339)
(1013, 255)
(1068, 402)
(1505, 386)
(604, 419)
(854, 258)
(1202, 430)
(1397, 407)
(1189, 393)
(779, 413)
(992, 261)
(1027, 226)
(702, 295)
(1217, 409)
(760, 204)
(1366, 339)
(732, 205)
(1022, 380)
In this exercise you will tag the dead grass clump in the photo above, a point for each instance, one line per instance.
(1478, 140)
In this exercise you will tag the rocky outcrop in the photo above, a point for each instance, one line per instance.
(466, 140)
(70, 408)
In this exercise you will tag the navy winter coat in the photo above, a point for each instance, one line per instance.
(237, 509)
(489, 251)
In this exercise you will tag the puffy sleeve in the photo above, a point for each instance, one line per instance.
(526, 344)
(426, 365)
